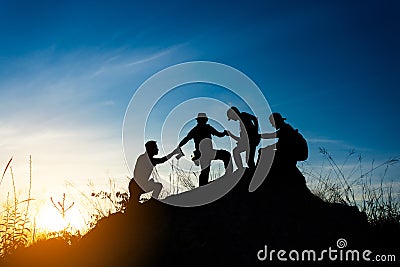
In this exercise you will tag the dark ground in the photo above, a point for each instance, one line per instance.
(282, 214)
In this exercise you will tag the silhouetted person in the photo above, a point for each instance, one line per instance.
(291, 146)
(248, 138)
(144, 166)
(204, 152)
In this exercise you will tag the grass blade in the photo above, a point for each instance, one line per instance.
(5, 170)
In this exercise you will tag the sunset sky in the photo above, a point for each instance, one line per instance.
(68, 70)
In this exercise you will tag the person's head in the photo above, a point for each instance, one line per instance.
(201, 118)
(151, 148)
(233, 114)
(276, 120)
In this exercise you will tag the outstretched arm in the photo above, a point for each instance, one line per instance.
(173, 152)
(234, 137)
(186, 139)
(156, 161)
(219, 134)
(269, 135)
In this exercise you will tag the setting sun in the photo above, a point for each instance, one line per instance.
(50, 220)
(199, 133)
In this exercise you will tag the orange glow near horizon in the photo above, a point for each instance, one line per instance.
(49, 219)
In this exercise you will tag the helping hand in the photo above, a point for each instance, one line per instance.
(179, 152)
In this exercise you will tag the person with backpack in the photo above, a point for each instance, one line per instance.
(291, 146)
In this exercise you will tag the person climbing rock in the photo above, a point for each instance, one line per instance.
(204, 152)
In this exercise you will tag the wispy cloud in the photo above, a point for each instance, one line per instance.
(323, 141)
(54, 109)
(155, 56)
(128, 61)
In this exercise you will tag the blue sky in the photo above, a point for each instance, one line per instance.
(68, 70)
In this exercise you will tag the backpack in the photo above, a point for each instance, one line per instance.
(300, 148)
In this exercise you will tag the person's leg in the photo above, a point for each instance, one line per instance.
(263, 167)
(237, 158)
(207, 154)
(203, 178)
(225, 156)
(134, 190)
(156, 187)
(250, 156)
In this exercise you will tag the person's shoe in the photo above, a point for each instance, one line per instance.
(196, 162)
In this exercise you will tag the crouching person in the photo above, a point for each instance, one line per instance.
(144, 166)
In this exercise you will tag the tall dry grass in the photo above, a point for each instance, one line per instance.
(181, 180)
(354, 184)
(101, 203)
(16, 228)
(358, 185)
